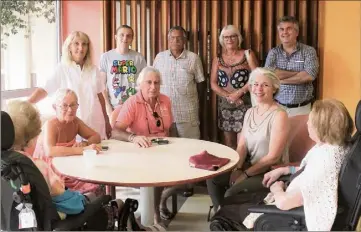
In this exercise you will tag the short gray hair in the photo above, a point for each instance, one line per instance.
(235, 30)
(271, 75)
(178, 28)
(144, 73)
(61, 94)
(289, 19)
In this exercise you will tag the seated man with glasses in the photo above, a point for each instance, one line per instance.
(59, 134)
(143, 116)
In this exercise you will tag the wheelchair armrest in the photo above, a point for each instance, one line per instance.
(296, 164)
(73, 222)
(284, 178)
(299, 212)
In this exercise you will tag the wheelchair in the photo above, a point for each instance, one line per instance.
(349, 196)
(274, 219)
(22, 183)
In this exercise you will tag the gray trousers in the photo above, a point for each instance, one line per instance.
(218, 187)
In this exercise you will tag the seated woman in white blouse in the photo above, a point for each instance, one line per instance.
(77, 72)
(330, 126)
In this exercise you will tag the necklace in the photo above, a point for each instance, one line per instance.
(263, 112)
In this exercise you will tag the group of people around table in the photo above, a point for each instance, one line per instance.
(128, 101)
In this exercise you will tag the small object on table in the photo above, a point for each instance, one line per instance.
(207, 161)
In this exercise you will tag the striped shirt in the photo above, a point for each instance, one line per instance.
(304, 58)
(179, 77)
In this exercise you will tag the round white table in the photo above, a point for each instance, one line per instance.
(124, 164)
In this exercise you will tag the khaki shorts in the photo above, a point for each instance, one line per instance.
(185, 130)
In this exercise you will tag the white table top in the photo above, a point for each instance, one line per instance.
(124, 164)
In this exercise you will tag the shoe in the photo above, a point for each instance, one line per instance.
(165, 214)
(128, 209)
(188, 192)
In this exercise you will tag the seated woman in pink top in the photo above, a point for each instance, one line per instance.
(144, 115)
(59, 137)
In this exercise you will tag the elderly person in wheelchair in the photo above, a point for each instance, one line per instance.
(314, 184)
(25, 121)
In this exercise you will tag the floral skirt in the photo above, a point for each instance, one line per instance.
(230, 116)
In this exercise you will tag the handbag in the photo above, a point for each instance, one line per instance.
(207, 161)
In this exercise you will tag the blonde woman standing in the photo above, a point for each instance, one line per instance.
(229, 80)
(77, 73)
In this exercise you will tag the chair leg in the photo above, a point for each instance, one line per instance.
(174, 203)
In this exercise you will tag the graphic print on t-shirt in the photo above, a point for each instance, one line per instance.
(123, 79)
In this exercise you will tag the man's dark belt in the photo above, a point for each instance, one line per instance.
(296, 105)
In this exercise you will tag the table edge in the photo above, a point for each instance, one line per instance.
(158, 184)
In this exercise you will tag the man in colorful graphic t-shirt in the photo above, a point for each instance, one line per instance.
(119, 68)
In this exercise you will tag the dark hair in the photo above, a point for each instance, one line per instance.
(178, 28)
(289, 19)
(124, 26)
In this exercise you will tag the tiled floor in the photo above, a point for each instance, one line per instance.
(192, 216)
(192, 211)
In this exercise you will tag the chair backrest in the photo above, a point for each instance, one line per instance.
(40, 196)
(350, 181)
(7, 132)
(299, 141)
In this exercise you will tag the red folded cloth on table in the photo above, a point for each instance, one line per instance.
(207, 161)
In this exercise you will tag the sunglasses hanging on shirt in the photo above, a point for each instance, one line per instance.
(156, 116)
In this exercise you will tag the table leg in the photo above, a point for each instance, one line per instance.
(147, 205)
(110, 190)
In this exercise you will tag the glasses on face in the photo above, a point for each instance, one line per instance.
(231, 37)
(156, 116)
(176, 38)
(66, 107)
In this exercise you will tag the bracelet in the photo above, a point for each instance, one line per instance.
(292, 169)
(248, 176)
(131, 137)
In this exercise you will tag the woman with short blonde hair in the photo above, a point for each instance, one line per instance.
(27, 123)
(333, 123)
(77, 73)
(262, 143)
(229, 80)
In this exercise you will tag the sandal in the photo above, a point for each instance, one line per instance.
(156, 227)
(165, 214)
(188, 192)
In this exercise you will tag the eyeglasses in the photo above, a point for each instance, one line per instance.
(233, 37)
(156, 116)
(176, 38)
(65, 107)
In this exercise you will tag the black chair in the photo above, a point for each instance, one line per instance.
(349, 210)
(21, 171)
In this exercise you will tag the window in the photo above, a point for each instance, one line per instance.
(29, 58)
